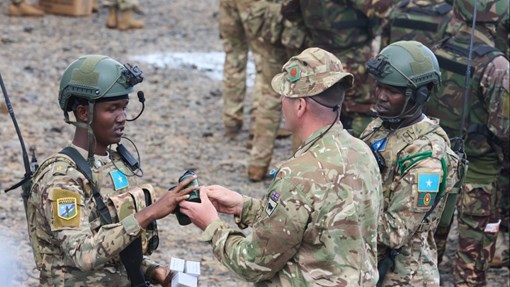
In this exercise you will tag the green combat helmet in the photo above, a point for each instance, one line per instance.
(410, 65)
(487, 11)
(94, 77)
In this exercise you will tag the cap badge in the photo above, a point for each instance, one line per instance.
(293, 73)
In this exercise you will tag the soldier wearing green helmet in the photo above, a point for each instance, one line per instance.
(483, 125)
(418, 167)
(90, 222)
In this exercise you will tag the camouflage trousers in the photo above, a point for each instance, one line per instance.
(236, 44)
(121, 4)
(269, 114)
(358, 100)
(477, 207)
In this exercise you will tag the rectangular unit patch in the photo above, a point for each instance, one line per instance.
(66, 208)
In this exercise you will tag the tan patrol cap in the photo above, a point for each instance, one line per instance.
(310, 73)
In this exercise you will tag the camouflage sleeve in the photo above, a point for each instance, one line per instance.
(275, 238)
(494, 84)
(411, 196)
(148, 266)
(88, 244)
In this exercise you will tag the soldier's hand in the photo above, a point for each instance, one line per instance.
(166, 204)
(201, 214)
(224, 199)
(162, 276)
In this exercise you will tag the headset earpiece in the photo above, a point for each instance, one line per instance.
(421, 95)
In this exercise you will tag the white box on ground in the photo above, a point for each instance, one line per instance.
(192, 268)
(177, 264)
(184, 280)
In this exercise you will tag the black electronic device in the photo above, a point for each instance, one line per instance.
(194, 196)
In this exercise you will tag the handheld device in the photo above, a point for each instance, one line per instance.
(194, 196)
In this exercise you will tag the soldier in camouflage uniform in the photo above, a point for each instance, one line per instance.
(418, 20)
(21, 8)
(237, 41)
(75, 242)
(485, 133)
(346, 29)
(417, 165)
(317, 224)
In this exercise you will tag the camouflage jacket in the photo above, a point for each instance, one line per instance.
(71, 246)
(418, 20)
(417, 167)
(317, 224)
(488, 120)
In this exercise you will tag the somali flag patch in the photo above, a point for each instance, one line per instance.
(380, 144)
(67, 208)
(119, 179)
(428, 182)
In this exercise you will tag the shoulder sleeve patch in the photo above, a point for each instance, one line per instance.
(66, 209)
(428, 186)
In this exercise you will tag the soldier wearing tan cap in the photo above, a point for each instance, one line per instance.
(316, 225)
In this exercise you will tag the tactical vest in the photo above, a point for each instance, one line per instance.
(119, 203)
(421, 21)
(447, 104)
(336, 25)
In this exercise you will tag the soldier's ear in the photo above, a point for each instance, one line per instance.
(301, 107)
(82, 113)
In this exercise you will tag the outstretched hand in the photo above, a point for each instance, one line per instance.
(225, 200)
(201, 214)
(166, 204)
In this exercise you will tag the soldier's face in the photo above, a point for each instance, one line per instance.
(289, 112)
(109, 121)
(390, 100)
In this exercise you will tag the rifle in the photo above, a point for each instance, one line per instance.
(26, 182)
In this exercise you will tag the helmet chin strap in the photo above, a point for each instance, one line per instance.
(90, 134)
(403, 113)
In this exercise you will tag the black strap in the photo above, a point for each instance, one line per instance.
(416, 24)
(84, 168)
(131, 256)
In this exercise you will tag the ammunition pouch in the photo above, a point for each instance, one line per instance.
(131, 202)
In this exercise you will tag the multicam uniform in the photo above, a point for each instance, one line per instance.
(72, 247)
(317, 224)
(236, 43)
(417, 166)
(487, 127)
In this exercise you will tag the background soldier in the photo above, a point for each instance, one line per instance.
(317, 223)
(21, 8)
(87, 219)
(417, 165)
(422, 21)
(237, 41)
(485, 130)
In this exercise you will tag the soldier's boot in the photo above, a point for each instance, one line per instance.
(95, 6)
(126, 21)
(256, 173)
(24, 9)
(111, 19)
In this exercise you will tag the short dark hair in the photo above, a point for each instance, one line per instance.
(333, 96)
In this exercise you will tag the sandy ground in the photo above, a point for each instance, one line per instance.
(181, 55)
